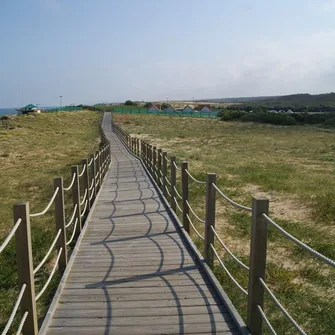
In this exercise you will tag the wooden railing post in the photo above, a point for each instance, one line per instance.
(173, 182)
(150, 158)
(164, 172)
(184, 184)
(159, 168)
(60, 222)
(93, 172)
(257, 263)
(76, 196)
(86, 182)
(209, 219)
(24, 261)
(154, 163)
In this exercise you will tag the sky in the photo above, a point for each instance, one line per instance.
(113, 50)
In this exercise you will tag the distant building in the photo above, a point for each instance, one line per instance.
(204, 108)
(29, 109)
(170, 109)
(154, 108)
(187, 109)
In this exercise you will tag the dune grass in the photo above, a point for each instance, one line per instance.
(34, 150)
(292, 166)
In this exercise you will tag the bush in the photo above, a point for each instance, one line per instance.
(228, 115)
(130, 103)
(5, 117)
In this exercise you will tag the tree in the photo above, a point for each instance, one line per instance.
(130, 103)
(164, 105)
(147, 104)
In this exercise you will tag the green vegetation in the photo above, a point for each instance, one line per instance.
(130, 103)
(36, 149)
(294, 167)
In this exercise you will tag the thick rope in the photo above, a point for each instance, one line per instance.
(228, 273)
(196, 216)
(266, 320)
(48, 253)
(195, 229)
(235, 204)
(71, 184)
(299, 243)
(51, 275)
(72, 217)
(48, 206)
(83, 171)
(23, 320)
(14, 311)
(196, 180)
(281, 307)
(73, 232)
(229, 252)
(10, 235)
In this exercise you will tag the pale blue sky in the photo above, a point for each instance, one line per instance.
(112, 50)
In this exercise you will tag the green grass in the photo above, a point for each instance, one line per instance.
(37, 149)
(294, 167)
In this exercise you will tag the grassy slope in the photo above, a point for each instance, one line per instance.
(39, 148)
(294, 167)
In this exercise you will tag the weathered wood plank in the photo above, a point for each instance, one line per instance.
(138, 312)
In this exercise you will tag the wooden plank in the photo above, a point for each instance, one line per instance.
(161, 320)
(95, 305)
(139, 312)
(144, 297)
(148, 330)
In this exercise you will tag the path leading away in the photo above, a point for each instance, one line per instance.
(133, 272)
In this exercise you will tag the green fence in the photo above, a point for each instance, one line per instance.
(164, 112)
(64, 109)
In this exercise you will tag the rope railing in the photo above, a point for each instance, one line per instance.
(84, 198)
(92, 184)
(281, 307)
(48, 206)
(167, 181)
(73, 232)
(15, 309)
(38, 267)
(194, 228)
(228, 251)
(84, 209)
(299, 243)
(72, 217)
(90, 163)
(50, 276)
(194, 179)
(91, 196)
(266, 320)
(71, 184)
(10, 235)
(83, 171)
(235, 204)
(175, 165)
(177, 193)
(227, 271)
(167, 191)
(192, 211)
(176, 202)
(22, 322)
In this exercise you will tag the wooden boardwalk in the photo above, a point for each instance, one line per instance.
(132, 271)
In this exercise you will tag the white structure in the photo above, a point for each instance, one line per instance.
(153, 108)
(205, 109)
(170, 109)
(187, 109)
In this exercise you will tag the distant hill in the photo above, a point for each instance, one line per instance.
(293, 99)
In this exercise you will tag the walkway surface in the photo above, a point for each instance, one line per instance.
(133, 272)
